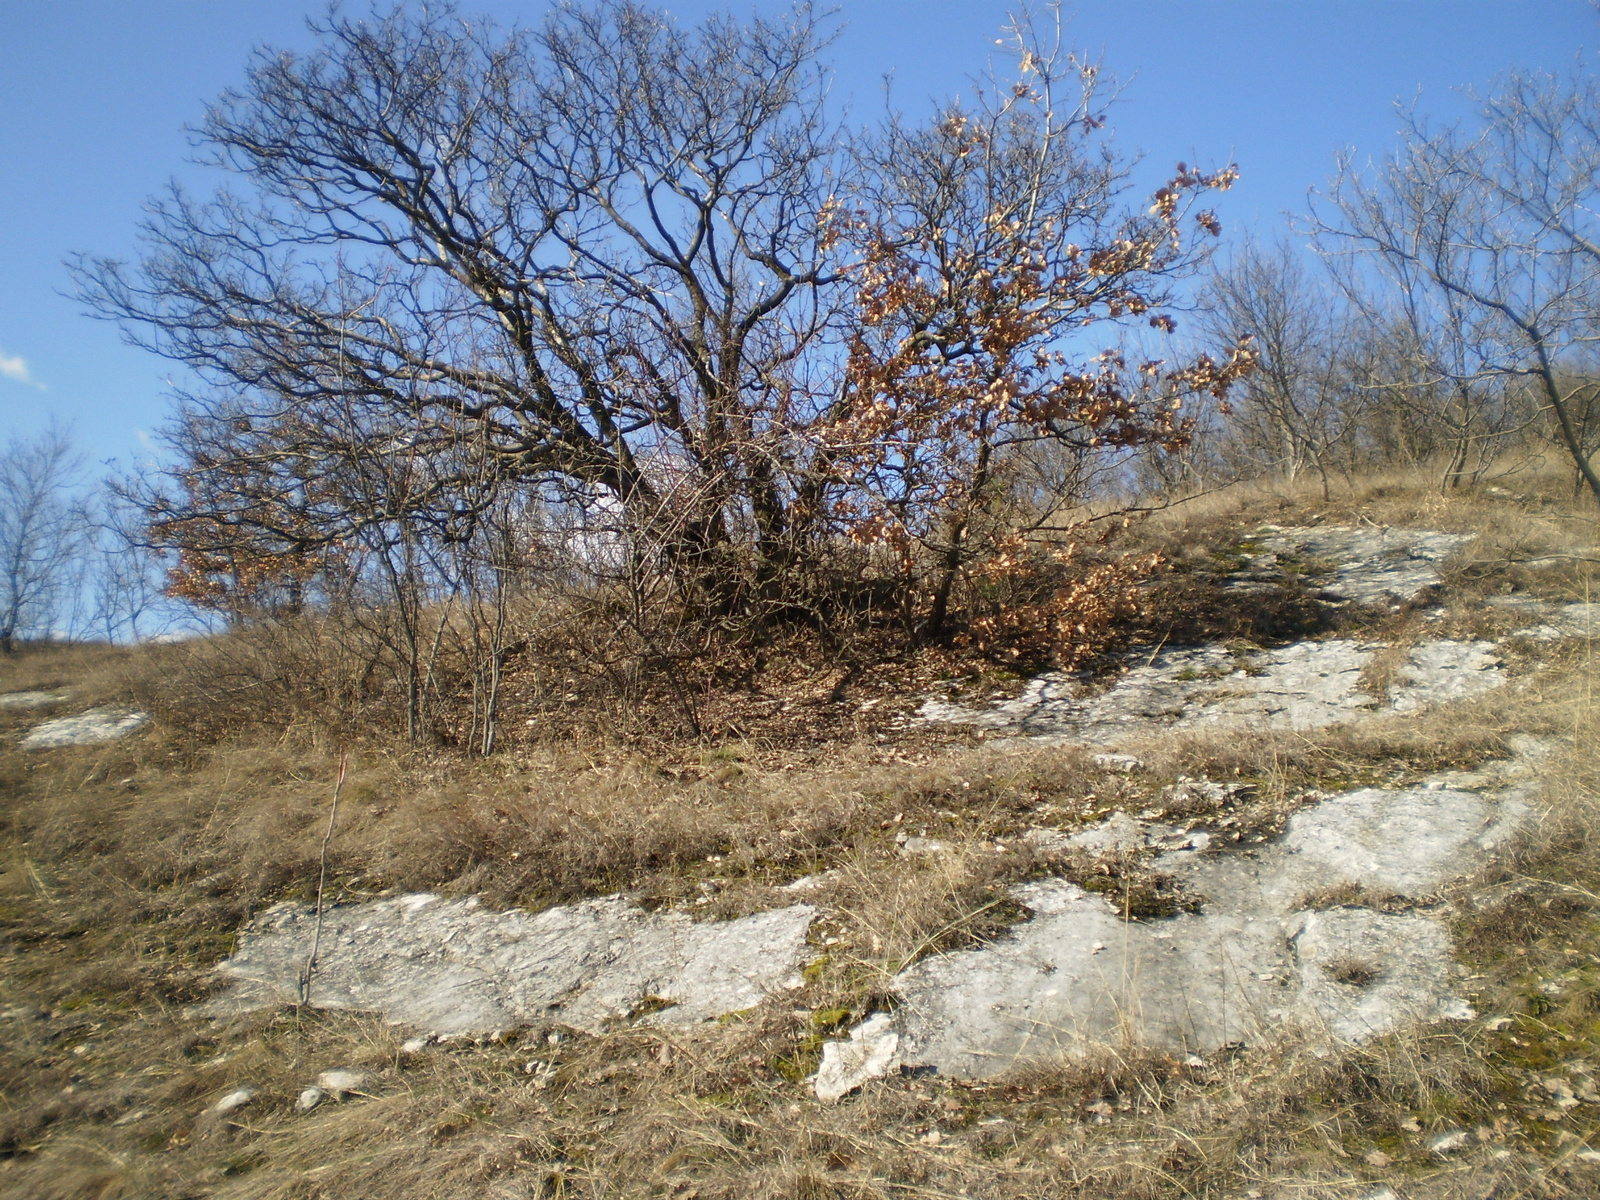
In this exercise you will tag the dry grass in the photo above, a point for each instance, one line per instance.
(127, 867)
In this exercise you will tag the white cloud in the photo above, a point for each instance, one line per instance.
(14, 366)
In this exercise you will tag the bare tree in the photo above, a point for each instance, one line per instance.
(1297, 411)
(123, 590)
(596, 244)
(40, 534)
(1496, 231)
(1432, 395)
(610, 248)
(615, 268)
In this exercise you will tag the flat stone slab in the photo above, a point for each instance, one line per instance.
(1368, 565)
(85, 729)
(31, 699)
(1261, 956)
(1307, 685)
(451, 966)
(1559, 621)
(1078, 978)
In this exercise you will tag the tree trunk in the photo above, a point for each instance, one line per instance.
(1458, 465)
(939, 615)
(1569, 435)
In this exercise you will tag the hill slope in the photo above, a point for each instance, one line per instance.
(1268, 915)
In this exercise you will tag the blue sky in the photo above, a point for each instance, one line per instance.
(94, 95)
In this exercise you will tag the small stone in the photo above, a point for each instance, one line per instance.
(932, 1138)
(414, 1045)
(1117, 834)
(1383, 1193)
(1449, 1143)
(1411, 1125)
(806, 883)
(237, 1098)
(1124, 764)
(869, 1054)
(1379, 1159)
(309, 1099)
(1560, 1091)
(921, 845)
(339, 1083)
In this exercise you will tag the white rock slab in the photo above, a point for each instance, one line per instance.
(1406, 842)
(1444, 671)
(451, 966)
(1559, 621)
(1410, 956)
(1077, 977)
(1252, 963)
(30, 699)
(1370, 565)
(85, 729)
(1306, 685)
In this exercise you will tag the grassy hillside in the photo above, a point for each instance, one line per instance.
(128, 867)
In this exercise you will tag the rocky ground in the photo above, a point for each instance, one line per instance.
(1251, 958)
(1177, 876)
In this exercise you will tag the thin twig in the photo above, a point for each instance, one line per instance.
(1571, 888)
(1538, 558)
(322, 880)
(35, 878)
(934, 937)
(1154, 654)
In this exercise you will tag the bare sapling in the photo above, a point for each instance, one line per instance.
(310, 968)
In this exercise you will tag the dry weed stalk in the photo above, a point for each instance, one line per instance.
(322, 880)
